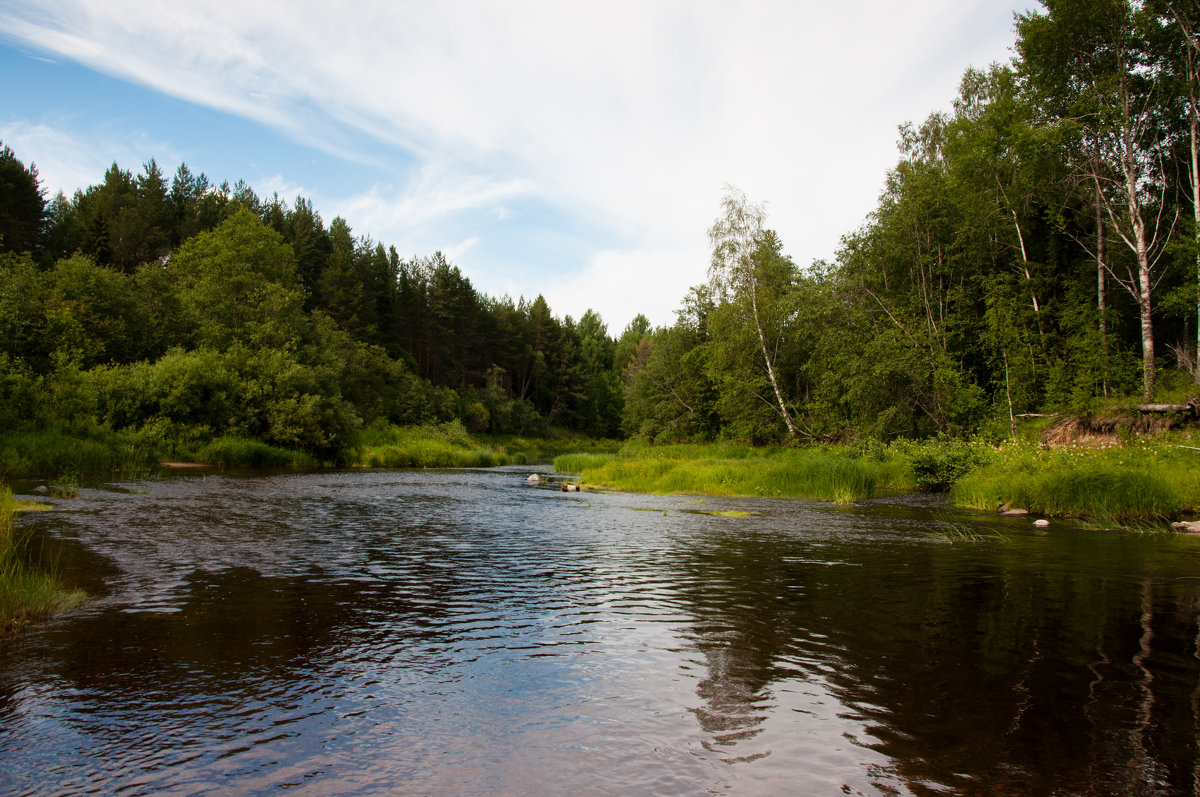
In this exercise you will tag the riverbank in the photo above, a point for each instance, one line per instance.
(1144, 479)
(71, 451)
(450, 445)
(826, 473)
(29, 587)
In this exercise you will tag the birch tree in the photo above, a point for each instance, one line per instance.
(1087, 64)
(737, 276)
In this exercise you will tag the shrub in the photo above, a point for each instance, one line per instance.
(938, 463)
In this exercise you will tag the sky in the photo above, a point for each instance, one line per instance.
(575, 150)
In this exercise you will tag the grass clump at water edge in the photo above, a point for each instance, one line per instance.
(1143, 481)
(28, 590)
(828, 474)
(444, 445)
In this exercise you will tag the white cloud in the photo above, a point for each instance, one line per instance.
(628, 116)
(66, 161)
(619, 285)
(431, 195)
(455, 251)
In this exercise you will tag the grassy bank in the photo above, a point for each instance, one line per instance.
(449, 445)
(92, 448)
(86, 449)
(445, 445)
(830, 474)
(28, 590)
(1147, 479)
(1144, 479)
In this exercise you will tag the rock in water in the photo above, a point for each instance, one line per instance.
(534, 478)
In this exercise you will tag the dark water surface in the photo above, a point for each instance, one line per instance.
(460, 632)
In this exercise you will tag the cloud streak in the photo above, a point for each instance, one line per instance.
(629, 116)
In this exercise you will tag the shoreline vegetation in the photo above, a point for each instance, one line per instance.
(66, 452)
(1138, 483)
(30, 588)
(1126, 475)
(1126, 480)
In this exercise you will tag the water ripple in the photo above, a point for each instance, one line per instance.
(460, 632)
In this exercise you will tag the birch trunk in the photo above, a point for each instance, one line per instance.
(1102, 293)
(762, 342)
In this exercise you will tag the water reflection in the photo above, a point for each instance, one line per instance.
(460, 632)
(1048, 664)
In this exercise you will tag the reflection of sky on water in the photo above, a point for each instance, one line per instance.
(462, 631)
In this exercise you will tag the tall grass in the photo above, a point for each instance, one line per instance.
(446, 445)
(233, 451)
(821, 474)
(27, 591)
(521, 449)
(86, 448)
(1142, 480)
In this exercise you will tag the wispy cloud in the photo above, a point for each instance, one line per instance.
(430, 195)
(629, 115)
(66, 161)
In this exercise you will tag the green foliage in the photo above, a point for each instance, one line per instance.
(938, 463)
(237, 284)
(229, 451)
(577, 463)
(79, 447)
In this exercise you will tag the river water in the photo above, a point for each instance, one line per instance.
(463, 632)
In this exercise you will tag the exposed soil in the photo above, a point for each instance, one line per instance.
(1108, 429)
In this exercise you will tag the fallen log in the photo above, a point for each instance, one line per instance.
(1166, 408)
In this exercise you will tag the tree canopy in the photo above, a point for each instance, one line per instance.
(1034, 249)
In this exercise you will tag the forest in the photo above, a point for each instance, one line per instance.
(1034, 251)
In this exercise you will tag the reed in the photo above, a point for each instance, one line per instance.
(27, 591)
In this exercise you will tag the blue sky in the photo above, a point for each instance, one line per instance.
(574, 150)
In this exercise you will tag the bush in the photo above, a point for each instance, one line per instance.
(938, 463)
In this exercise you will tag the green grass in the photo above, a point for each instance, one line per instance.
(822, 474)
(446, 445)
(522, 449)
(232, 451)
(1142, 480)
(75, 448)
(1134, 486)
(27, 591)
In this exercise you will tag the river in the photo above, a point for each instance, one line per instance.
(464, 632)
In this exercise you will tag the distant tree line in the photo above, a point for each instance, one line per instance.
(1034, 250)
(205, 310)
